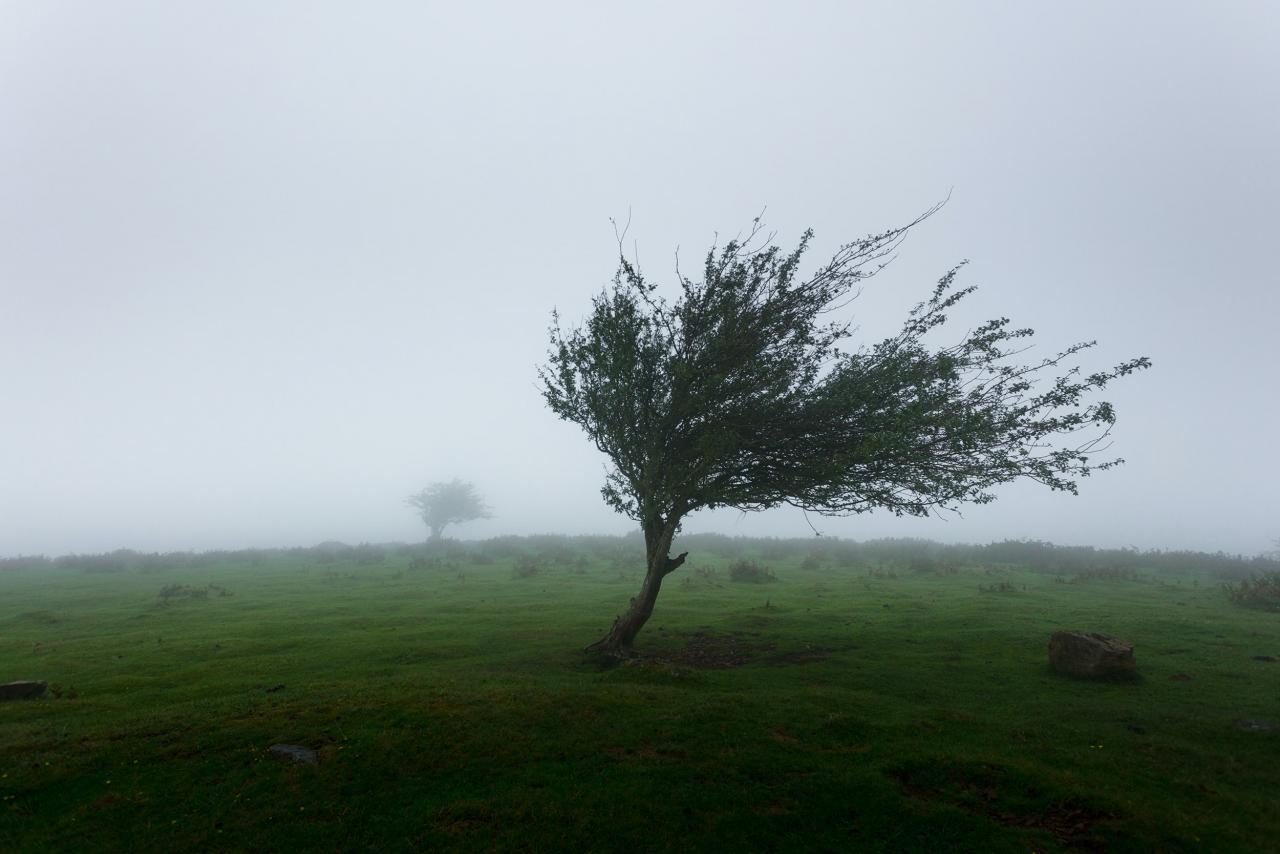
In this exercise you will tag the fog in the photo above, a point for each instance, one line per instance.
(266, 269)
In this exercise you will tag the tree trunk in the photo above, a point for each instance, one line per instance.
(617, 642)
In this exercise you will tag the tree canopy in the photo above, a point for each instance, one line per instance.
(738, 392)
(448, 502)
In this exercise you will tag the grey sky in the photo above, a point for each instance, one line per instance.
(267, 268)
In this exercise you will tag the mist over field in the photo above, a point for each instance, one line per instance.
(427, 426)
(265, 271)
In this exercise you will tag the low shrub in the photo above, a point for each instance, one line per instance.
(750, 572)
(21, 563)
(117, 561)
(814, 561)
(1261, 592)
(1109, 573)
(527, 566)
(422, 563)
(330, 552)
(172, 592)
(368, 555)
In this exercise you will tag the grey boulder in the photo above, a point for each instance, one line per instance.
(22, 690)
(1091, 655)
(304, 755)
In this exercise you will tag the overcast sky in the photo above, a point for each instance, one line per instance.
(267, 268)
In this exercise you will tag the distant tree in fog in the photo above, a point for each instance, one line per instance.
(739, 394)
(447, 503)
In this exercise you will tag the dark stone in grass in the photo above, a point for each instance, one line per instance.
(22, 690)
(1091, 655)
(298, 754)
(275, 688)
(1264, 658)
(1257, 725)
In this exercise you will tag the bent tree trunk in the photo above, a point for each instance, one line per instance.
(617, 642)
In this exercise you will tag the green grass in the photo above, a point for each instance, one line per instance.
(871, 710)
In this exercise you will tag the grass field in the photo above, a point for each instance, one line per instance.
(840, 708)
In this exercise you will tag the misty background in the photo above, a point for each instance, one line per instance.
(266, 269)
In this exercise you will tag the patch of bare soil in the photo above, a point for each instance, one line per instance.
(986, 790)
(1070, 822)
(644, 752)
(714, 651)
(462, 817)
(774, 808)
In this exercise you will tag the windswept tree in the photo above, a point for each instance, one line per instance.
(735, 391)
(446, 503)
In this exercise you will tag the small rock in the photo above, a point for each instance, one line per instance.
(1257, 725)
(22, 690)
(1264, 658)
(275, 688)
(1091, 655)
(298, 754)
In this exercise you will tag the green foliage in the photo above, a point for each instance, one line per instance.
(446, 503)
(739, 393)
(1261, 592)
